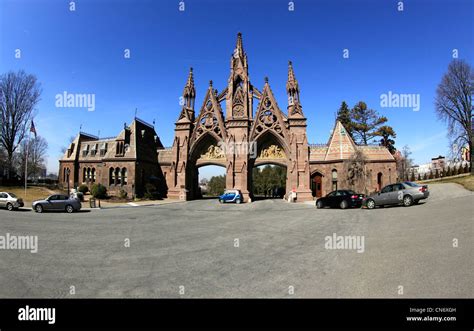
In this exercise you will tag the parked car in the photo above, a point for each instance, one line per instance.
(57, 202)
(231, 196)
(340, 199)
(10, 201)
(406, 193)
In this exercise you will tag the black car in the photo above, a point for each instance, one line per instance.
(341, 199)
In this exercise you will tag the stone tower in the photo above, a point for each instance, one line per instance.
(299, 169)
(180, 150)
(239, 100)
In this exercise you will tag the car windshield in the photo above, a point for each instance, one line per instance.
(12, 195)
(411, 184)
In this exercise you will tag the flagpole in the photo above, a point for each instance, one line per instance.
(26, 163)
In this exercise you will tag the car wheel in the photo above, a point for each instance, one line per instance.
(39, 208)
(407, 201)
(370, 204)
(9, 206)
(220, 200)
(69, 209)
(319, 204)
(238, 201)
(344, 204)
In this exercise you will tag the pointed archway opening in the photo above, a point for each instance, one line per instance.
(211, 181)
(317, 184)
(268, 167)
(268, 181)
(205, 154)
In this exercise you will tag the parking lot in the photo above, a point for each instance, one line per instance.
(268, 248)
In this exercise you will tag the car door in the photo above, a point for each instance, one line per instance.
(328, 199)
(49, 203)
(336, 200)
(62, 201)
(396, 196)
(3, 199)
(384, 196)
(56, 202)
(230, 196)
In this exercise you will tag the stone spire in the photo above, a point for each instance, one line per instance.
(239, 48)
(292, 84)
(293, 91)
(189, 90)
(189, 96)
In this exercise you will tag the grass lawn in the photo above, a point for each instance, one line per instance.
(466, 181)
(32, 193)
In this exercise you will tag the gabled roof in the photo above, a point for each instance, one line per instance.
(341, 146)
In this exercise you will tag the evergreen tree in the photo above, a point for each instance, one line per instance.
(365, 123)
(387, 134)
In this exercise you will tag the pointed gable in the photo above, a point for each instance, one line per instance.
(269, 117)
(341, 145)
(210, 119)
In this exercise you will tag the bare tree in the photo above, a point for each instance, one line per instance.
(19, 95)
(404, 163)
(356, 171)
(64, 148)
(36, 150)
(454, 105)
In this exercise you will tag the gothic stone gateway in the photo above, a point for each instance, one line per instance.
(238, 141)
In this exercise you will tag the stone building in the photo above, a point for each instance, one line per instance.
(126, 162)
(226, 131)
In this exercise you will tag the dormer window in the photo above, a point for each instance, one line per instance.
(103, 149)
(85, 150)
(70, 150)
(120, 148)
(94, 149)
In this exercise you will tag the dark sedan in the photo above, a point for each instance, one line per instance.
(340, 199)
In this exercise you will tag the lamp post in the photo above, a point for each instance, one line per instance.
(68, 171)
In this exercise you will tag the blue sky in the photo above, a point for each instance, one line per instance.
(82, 51)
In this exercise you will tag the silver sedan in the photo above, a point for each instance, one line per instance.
(57, 202)
(406, 193)
(10, 201)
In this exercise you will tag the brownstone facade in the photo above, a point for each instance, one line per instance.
(238, 141)
(123, 163)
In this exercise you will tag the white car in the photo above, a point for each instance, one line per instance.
(10, 201)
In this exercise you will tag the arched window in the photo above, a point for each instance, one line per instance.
(93, 175)
(89, 174)
(379, 181)
(84, 175)
(64, 174)
(124, 176)
(111, 176)
(117, 176)
(334, 179)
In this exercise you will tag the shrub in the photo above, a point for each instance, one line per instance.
(122, 194)
(83, 188)
(99, 191)
(437, 173)
(151, 192)
(455, 170)
(448, 172)
(431, 175)
(466, 168)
